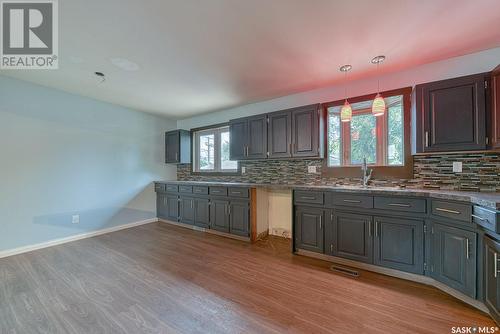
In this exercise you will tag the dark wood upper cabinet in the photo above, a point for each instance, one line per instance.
(280, 134)
(248, 138)
(178, 147)
(305, 131)
(495, 108)
(451, 114)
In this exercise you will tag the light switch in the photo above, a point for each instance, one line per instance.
(457, 167)
(311, 169)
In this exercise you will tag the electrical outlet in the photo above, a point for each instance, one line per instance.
(311, 169)
(75, 219)
(243, 170)
(457, 167)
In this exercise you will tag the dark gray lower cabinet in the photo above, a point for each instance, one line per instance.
(161, 206)
(186, 208)
(309, 229)
(239, 218)
(454, 257)
(202, 212)
(219, 215)
(349, 236)
(491, 277)
(172, 201)
(399, 244)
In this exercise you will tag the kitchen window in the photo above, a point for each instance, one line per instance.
(384, 141)
(211, 151)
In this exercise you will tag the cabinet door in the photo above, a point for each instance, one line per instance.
(239, 218)
(219, 215)
(280, 135)
(399, 244)
(305, 132)
(453, 114)
(454, 258)
(309, 229)
(350, 236)
(172, 147)
(201, 212)
(161, 206)
(492, 277)
(186, 207)
(495, 108)
(238, 139)
(172, 207)
(257, 137)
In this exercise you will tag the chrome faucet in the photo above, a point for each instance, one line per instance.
(367, 173)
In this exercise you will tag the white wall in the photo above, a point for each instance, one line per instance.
(62, 154)
(469, 64)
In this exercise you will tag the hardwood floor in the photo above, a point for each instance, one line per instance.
(159, 278)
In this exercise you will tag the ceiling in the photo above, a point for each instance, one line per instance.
(199, 56)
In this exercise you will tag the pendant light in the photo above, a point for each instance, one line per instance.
(346, 110)
(378, 105)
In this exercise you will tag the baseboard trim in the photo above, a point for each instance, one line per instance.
(55, 242)
(206, 230)
(399, 274)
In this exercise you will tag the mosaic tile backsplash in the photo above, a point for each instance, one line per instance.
(480, 172)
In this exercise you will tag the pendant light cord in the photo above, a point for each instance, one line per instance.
(378, 79)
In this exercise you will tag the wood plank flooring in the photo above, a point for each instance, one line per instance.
(159, 278)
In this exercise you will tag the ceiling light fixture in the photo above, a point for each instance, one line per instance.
(101, 77)
(346, 110)
(378, 105)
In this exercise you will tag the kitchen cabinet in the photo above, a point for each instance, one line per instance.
(453, 254)
(451, 114)
(349, 235)
(492, 277)
(172, 201)
(178, 147)
(309, 228)
(248, 138)
(280, 134)
(399, 244)
(495, 108)
(161, 206)
(239, 218)
(186, 208)
(306, 131)
(202, 212)
(219, 215)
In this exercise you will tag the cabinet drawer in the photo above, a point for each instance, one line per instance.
(200, 190)
(159, 187)
(218, 191)
(173, 188)
(186, 189)
(239, 192)
(457, 211)
(356, 201)
(400, 204)
(486, 218)
(312, 197)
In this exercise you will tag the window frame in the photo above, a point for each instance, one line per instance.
(380, 171)
(215, 129)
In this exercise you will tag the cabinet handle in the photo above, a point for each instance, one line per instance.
(402, 205)
(448, 211)
(191, 204)
(426, 138)
(331, 250)
(331, 216)
(480, 218)
(308, 197)
(320, 222)
(176, 156)
(376, 229)
(351, 201)
(370, 229)
(495, 265)
(467, 248)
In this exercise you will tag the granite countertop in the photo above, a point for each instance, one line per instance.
(490, 200)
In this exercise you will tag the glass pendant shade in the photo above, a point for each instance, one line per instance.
(346, 112)
(378, 106)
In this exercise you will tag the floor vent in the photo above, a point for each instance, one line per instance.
(344, 270)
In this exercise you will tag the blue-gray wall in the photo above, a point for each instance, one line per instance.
(62, 154)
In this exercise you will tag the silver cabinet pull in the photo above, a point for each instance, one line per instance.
(495, 264)
(191, 204)
(331, 216)
(448, 211)
(402, 205)
(370, 229)
(331, 250)
(467, 248)
(351, 201)
(376, 229)
(320, 222)
(176, 156)
(426, 138)
(480, 218)
(308, 197)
